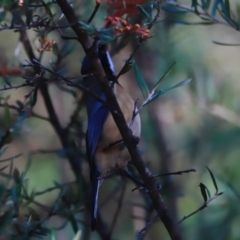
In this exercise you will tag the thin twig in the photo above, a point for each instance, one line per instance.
(64, 79)
(119, 206)
(141, 40)
(34, 114)
(94, 12)
(17, 86)
(176, 173)
(205, 204)
(140, 233)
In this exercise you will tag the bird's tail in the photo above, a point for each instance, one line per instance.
(94, 207)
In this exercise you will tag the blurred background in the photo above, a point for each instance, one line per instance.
(194, 126)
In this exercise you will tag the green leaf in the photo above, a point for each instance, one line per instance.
(127, 67)
(213, 179)
(55, 49)
(194, 5)
(53, 234)
(7, 114)
(172, 9)
(3, 150)
(140, 80)
(106, 38)
(203, 191)
(226, 9)
(205, 4)
(3, 15)
(184, 82)
(161, 92)
(7, 80)
(215, 6)
(145, 13)
(227, 44)
(78, 235)
(20, 104)
(6, 219)
(48, 10)
(164, 76)
(29, 16)
(14, 18)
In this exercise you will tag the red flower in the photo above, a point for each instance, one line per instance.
(120, 7)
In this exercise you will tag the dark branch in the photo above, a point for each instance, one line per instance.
(126, 133)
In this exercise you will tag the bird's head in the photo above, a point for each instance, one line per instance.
(106, 61)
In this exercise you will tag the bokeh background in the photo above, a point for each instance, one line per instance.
(194, 126)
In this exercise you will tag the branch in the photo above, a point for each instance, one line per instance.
(94, 12)
(126, 133)
(205, 204)
(74, 161)
(201, 12)
(176, 173)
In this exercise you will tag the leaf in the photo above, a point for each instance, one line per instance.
(226, 9)
(6, 219)
(215, 6)
(2, 15)
(20, 104)
(106, 38)
(55, 50)
(7, 114)
(203, 191)
(227, 44)
(78, 235)
(14, 18)
(29, 16)
(48, 10)
(164, 76)
(3, 150)
(7, 80)
(53, 234)
(194, 5)
(21, 119)
(172, 9)
(140, 80)
(205, 4)
(192, 23)
(213, 179)
(14, 194)
(161, 92)
(126, 68)
(184, 82)
(144, 12)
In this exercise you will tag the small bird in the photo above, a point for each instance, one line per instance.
(106, 150)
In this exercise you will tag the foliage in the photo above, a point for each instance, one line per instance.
(47, 74)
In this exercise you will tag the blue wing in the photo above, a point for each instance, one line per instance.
(97, 114)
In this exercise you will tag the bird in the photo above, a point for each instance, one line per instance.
(106, 151)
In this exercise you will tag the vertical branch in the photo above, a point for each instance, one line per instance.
(62, 134)
(118, 117)
(73, 157)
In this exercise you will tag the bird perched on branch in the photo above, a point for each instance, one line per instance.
(106, 150)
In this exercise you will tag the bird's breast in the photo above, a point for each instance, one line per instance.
(116, 156)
